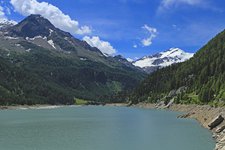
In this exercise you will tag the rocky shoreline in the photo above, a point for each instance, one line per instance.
(209, 117)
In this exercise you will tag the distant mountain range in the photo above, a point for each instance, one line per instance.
(41, 64)
(154, 62)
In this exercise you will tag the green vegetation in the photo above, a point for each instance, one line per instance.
(34, 72)
(203, 75)
(44, 76)
(80, 101)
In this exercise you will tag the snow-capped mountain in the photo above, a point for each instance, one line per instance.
(6, 23)
(153, 62)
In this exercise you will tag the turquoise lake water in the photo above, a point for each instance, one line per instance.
(100, 128)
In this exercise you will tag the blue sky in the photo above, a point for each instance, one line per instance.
(124, 25)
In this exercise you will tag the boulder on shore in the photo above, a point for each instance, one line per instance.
(218, 120)
(187, 115)
(3, 107)
(220, 129)
(160, 105)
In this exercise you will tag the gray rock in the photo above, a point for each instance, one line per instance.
(220, 129)
(170, 103)
(161, 104)
(187, 115)
(181, 90)
(172, 93)
(217, 121)
(223, 148)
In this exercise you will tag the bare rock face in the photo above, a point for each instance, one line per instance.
(223, 148)
(181, 90)
(160, 105)
(218, 120)
(170, 103)
(172, 94)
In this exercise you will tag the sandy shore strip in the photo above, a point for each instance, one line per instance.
(24, 107)
(117, 104)
(204, 114)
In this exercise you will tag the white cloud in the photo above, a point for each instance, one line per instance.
(175, 27)
(3, 18)
(167, 4)
(2, 14)
(104, 46)
(8, 11)
(135, 46)
(52, 13)
(152, 34)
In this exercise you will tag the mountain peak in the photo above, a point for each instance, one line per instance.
(173, 52)
(35, 16)
(37, 19)
(162, 59)
(174, 49)
(33, 25)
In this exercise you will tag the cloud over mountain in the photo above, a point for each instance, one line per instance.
(104, 46)
(51, 12)
(2, 14)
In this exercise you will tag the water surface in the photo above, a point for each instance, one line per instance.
(100, 128)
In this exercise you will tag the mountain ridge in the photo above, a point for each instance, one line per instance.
(53, 67)
(159, 60)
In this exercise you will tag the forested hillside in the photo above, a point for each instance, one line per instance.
(203, 77)
(41, 64)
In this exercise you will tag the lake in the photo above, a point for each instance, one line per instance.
(100, 128)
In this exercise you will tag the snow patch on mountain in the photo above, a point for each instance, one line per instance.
(11, 38)
(50, 32)
(52, 43)
(162, 59)
(130, 60)
(6, 23)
